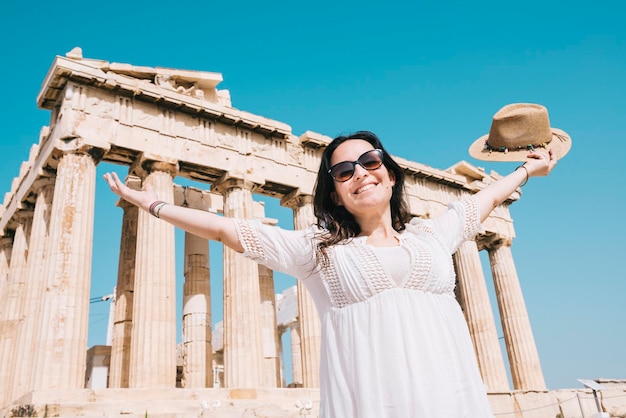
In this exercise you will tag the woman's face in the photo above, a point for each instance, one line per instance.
(367, 191)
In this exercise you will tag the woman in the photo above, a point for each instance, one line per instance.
(394, 339)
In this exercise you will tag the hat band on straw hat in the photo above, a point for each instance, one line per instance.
(529, 147)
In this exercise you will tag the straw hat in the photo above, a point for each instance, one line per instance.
(515, 130)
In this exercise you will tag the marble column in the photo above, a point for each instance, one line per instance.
(123, 304)
(13, 301)
(296, 355)
(6, 244)
(269, 332)
(197, 347)
(242, 318)
(62, 343)
(479, 316)
(526, 370)
(218, 369)
(310, 325)
(34, 288)
(281, 356)
(153, 336)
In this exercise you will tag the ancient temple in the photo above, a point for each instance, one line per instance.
(166, 124)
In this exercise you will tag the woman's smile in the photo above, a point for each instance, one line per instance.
(365, 188)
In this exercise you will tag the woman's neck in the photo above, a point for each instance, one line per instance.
(379, 232)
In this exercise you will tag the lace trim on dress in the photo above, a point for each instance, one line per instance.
(331, 282)
(472, 217)
(430, 231)
(420, 271)
(371, 269)
(420, 280)
(249, 239)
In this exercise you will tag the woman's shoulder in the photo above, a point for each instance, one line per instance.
(467, 203)
(416, 221)
(422, 226)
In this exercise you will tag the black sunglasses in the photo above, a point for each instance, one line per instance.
(370, 160)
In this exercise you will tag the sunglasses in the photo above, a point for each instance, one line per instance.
(370, 160)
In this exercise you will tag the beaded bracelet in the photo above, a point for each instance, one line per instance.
(527, 176)
(155, 207)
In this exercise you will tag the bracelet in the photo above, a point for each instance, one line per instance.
(155, 207)
(527, 176)
(157, 210)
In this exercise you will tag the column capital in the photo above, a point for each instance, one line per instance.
(19, 217)
(493, 241)
(5, 242)
(296, 199)
(76, 145)
(124, 204)
(43, 181)
(24, 214)
(233, 181)
(146, 164)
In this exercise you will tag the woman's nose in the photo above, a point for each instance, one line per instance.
(359, 171)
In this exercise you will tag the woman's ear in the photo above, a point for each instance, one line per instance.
(392, 177)
(336, 199)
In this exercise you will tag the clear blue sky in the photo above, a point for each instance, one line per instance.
(427, 77)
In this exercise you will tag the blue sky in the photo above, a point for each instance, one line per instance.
(427, 78)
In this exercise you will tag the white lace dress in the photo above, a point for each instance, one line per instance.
(390, 348)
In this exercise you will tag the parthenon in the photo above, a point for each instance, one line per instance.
(167, 124)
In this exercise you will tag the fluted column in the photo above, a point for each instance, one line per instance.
(242, 319)
(6, 244)
(479, 316)
(123, 303)
(218, 369)
(281, 356)
(269, 333)
(153, 337)
(526, 370)
(5, 258)
(33, 288)
(310, 326)
(62, 348)
(13, 303)
(296, 355)
(197, 347)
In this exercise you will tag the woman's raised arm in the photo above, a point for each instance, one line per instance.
(538, 164)
(198, 222)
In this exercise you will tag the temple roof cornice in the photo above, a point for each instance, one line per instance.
(141, 84)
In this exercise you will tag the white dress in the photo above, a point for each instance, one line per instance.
(389, 348)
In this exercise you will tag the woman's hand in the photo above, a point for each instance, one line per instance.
(540, 163)
(140, 198)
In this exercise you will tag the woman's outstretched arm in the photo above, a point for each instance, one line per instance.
(198, 222)
(538, 164)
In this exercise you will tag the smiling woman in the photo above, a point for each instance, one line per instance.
(395, 341)
(367, 197)
(337, 220)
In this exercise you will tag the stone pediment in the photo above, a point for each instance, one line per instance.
(191, 92)
(197, 84)
(200, 78)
